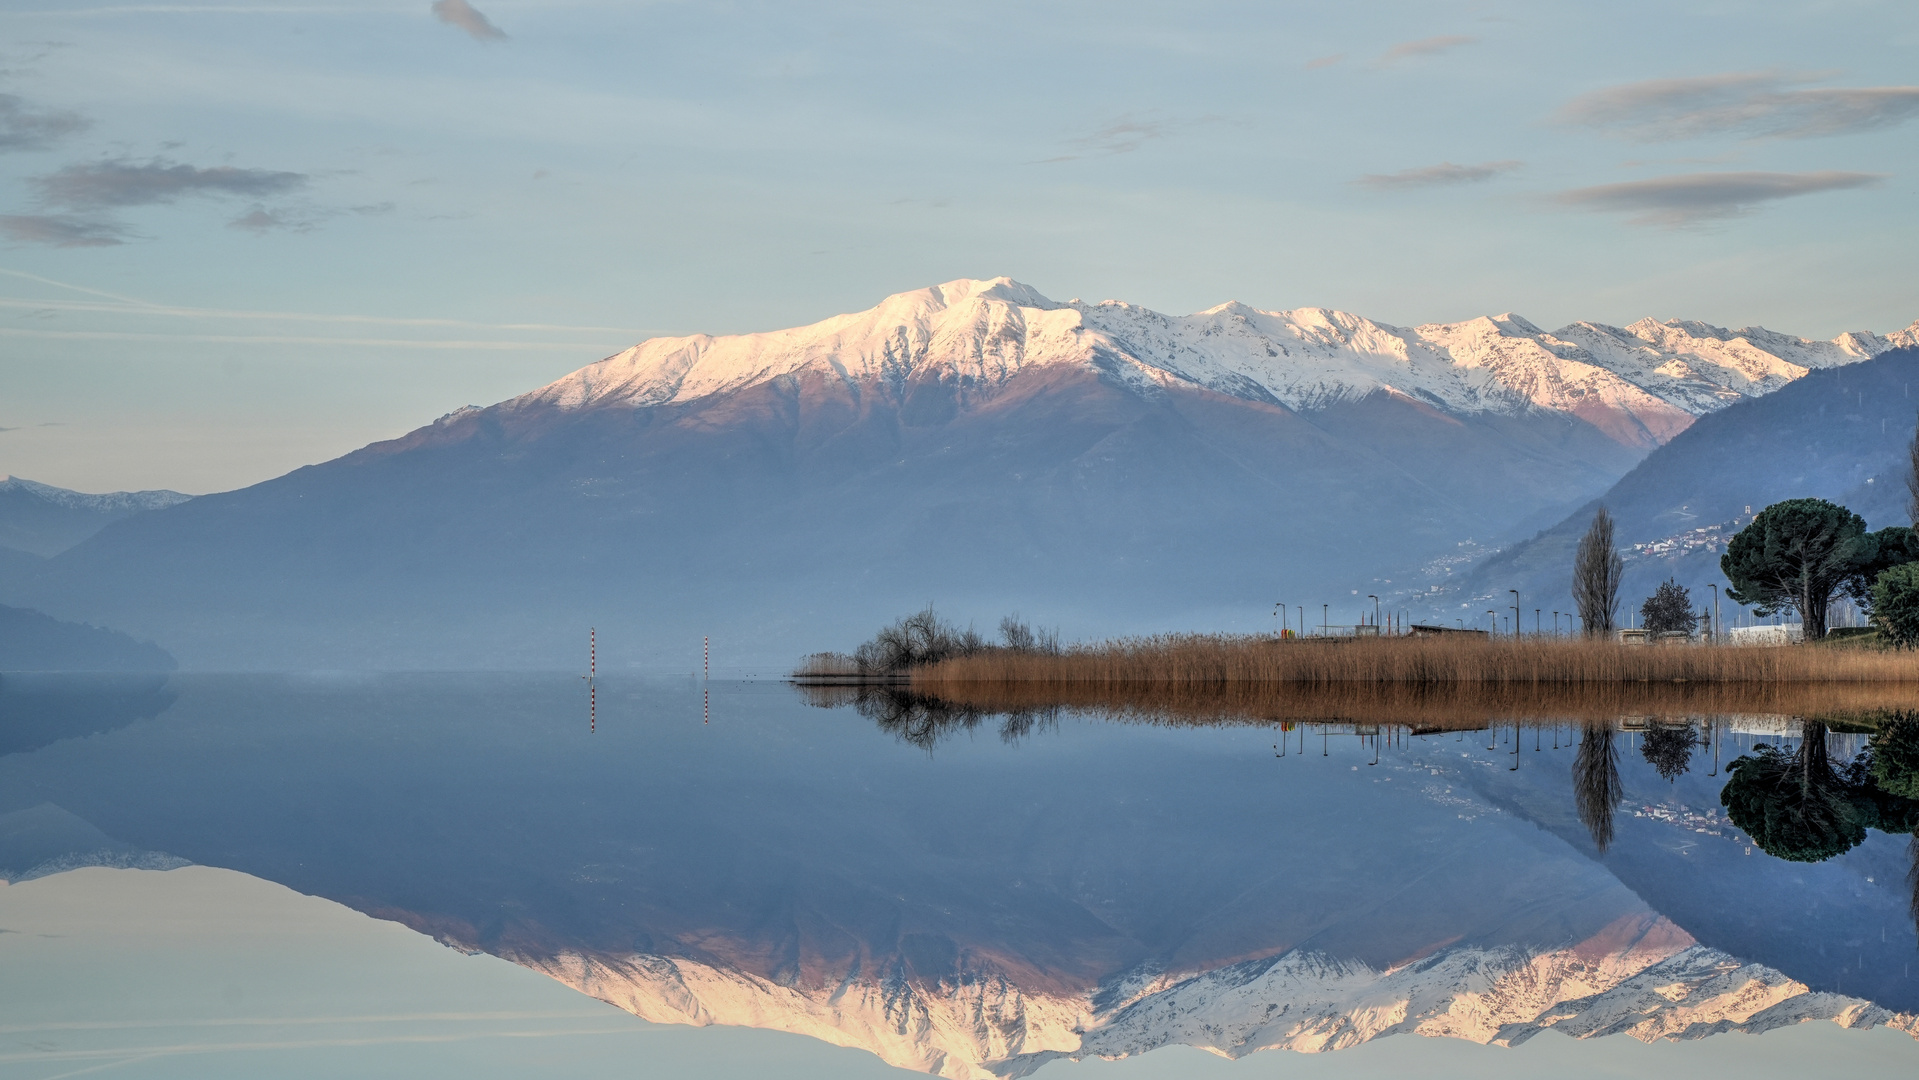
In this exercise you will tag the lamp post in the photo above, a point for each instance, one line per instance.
(1535, 622)
(1715, 610)
(1516, 624)
(1375, 601)
(1492, 620)
(1324, 614)
(1302, 620)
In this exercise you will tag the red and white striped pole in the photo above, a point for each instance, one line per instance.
(706, 673)
(592, 689)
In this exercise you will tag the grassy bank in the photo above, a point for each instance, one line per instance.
(1215, 662)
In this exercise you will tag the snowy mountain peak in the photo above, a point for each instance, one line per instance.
(1641, 384)
(112, 502)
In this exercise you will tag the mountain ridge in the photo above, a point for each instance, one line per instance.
(1642, 383)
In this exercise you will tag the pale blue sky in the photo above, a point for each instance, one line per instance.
(497, 197)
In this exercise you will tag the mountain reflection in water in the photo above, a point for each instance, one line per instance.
(975, 887)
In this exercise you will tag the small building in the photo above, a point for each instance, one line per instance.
(1787, 634)
(1631, 637)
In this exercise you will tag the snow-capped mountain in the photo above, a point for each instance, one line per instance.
(1641, 384)
(1642, 977)
(43, 520)
(973, 443)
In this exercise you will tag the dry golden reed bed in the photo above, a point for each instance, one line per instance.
(1197, 661)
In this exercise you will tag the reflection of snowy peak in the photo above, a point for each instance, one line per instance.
(1642, 977)
(1642, 384)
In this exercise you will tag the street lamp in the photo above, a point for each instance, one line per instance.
(1715, 609)
(1492, 620)
(1375, 601)
(1516, 625)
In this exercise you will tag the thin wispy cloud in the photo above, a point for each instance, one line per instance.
(1431, 46)
(461, 14)
(1325, 61)
(62, 230)
(106, 184)
(1751, 105)
(1121, 136)
(1694, 198)
(116, 303)
(25, 128)
(1444, 174)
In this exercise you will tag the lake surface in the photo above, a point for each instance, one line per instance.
(986, 893)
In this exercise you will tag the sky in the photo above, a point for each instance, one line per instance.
(238, 238)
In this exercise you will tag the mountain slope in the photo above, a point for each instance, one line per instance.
(1839, 434)
(1101, 467)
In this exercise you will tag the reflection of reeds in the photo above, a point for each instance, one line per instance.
(1215, 660)
(1454, 706)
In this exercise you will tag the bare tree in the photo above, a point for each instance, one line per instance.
(1912, 478)
(1596, 573)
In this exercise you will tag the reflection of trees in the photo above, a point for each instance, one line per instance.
(1669, 750)
(1794, 804)
(925, 721)
(1596, 787)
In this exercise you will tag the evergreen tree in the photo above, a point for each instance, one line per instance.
(1668, 609)
(1799, 554)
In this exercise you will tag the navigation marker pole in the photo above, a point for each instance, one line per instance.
(706, 676)
(592, 689)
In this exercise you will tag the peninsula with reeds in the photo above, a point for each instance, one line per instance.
(1799, 556)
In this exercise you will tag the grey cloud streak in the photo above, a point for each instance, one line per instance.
(60, 230)
(124, 183)
(1695, 197)
(23, 128)
(1426, 46)
(463, 15)
(1443, 174)
(1754, 105)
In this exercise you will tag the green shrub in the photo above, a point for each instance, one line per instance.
(1895, 604)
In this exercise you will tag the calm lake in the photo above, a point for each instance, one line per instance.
(973, 890)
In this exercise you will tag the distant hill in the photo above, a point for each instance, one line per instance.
(31, 641)
(43, 520)
(1839, 434)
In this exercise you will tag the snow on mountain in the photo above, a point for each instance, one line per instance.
(111, 503)
(1642, 384)
(1642, 977)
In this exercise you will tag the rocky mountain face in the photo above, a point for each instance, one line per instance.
(1642, 977)
(1099, 467)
